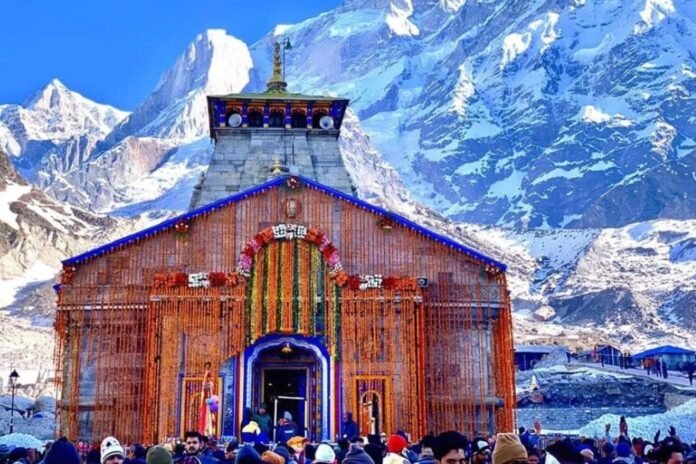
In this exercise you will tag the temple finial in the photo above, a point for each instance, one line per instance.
(277, 84)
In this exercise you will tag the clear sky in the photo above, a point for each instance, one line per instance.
(113, 51)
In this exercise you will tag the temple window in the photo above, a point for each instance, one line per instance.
(276, 118)
(255, 118)
(299, 119)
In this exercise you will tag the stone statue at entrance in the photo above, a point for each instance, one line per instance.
(208, 419)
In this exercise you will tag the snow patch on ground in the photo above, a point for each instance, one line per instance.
(682, 418)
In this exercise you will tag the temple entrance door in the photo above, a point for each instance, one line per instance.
(295, 376)
(285, 389)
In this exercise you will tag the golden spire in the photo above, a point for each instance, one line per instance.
(277, 84)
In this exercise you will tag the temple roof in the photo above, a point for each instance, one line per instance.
(286, 96)
(275, 183)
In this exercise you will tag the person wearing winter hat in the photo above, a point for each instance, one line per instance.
(395, 446)
(112, 451)
(357, 455)
(324, 454)
(247, 455)
(285, 453)
(480, 451)
(62, 452)
(588, 455)
(158, 455)
(509, 449)
(623, 454)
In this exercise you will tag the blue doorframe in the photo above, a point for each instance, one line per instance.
(312, 344)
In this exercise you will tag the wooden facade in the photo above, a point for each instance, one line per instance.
(138, 320)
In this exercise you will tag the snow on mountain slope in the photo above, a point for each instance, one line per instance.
(539, 114)
(54, 130)
(214, 63)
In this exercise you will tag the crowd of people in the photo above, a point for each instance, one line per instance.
(525, 447)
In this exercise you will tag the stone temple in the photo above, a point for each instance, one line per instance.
(280, 286)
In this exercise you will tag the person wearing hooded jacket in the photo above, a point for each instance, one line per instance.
(357, 455)
(349, 428)
(61, 452)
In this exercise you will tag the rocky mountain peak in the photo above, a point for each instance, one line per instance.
(52, 95)
(213, 63)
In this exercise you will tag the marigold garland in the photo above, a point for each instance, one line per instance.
(285, 274)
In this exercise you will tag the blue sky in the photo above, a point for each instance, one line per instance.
(113, 51)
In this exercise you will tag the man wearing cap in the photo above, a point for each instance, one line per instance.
(395, 447)
(480, 451)
(111, 451)
(509, 450)
(324, 454)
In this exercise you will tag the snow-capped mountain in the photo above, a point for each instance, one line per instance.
(36, 233)
(54, 131)
(573, 113)
(213, 64)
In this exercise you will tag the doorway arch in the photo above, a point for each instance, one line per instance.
(318, 399)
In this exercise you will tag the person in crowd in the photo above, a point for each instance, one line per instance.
(563, 452)
(286, 428)
(247, 455)
(450, 448)
(509, 450)
(342, 449)
(480, 451)
(689, 369)
(664, 369)
(623, 427)
(136, 454)
(158, 455)
(670, 452)
(357, 455)
(264, 421)
(310, 452)
(62, 452)
(588, 455)
(349, 428)
(324, 454)
(375, 448)
(284, 452)
(18, 456)
(216, 452)
(112, 451)
(623, 454)
(194, 448)
(533, 456)
(395, 447)
(426, 453)
(269, 457)
(230, 453)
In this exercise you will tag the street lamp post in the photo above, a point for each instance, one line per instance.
(13, 382)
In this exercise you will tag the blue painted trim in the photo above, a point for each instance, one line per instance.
(268, 185)
(57, 287)
(299, 341)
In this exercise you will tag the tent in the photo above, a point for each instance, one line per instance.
(674, 356)
(666, 350)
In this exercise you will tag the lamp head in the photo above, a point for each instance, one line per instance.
(13, 377)
(286, 349)
(286, 44)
